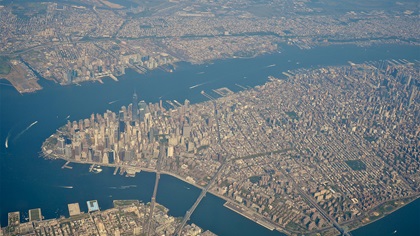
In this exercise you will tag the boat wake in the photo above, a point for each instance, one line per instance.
(65, 186)
(200, 73)
(6, 144)
(124, 187)
(270, 66)
(27, 128)
(113, 101)
(6, 84)
(198, 85)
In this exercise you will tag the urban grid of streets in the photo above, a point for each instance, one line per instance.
(270, 151)
(127, 217)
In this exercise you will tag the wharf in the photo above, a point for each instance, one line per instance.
(176, 102)
(171, 103)
(116, 170)
(286, 74)
(66, 166)
(242, 87)
(113, 77)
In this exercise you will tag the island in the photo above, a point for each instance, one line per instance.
(320, 151)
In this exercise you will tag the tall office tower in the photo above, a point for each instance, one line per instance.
(111, 158)
(134, 108)
(61, 145)
(143, 110)
(107, 141)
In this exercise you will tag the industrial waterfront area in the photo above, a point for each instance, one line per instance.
(127, 217)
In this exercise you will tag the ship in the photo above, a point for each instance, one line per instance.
(96, 170)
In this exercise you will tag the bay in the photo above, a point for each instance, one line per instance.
(28, 181)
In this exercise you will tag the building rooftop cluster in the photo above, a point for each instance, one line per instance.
(127, 217)
(71, 43)
(279, 143)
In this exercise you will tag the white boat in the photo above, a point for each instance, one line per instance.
(96, 170)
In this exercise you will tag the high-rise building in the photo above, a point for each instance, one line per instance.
(61, 145)
(143, 109)
(134, 108)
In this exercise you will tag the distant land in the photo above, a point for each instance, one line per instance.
(70, 42)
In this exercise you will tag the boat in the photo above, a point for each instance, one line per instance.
(67, 186)
(96, 170)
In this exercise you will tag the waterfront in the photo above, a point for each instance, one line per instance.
(26, 177)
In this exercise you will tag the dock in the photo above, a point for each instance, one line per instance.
(171, 103)
(286, 74)
(66, 166)
(113, 77)
(91, 167)
(116, 170)
(177, 103)
(240, 86)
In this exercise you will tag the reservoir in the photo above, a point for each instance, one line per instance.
(28, 181)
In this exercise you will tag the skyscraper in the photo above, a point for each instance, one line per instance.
(143, 110)
(134, 108)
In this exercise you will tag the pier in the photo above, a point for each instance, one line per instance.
(67, 166)
(116, 170)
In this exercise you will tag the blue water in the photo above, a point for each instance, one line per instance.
(28, 181)
(405, 221)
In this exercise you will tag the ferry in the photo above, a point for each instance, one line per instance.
(96, 170)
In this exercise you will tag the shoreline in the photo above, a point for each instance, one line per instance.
(209, 61)
(385, 214)
(228, 201)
